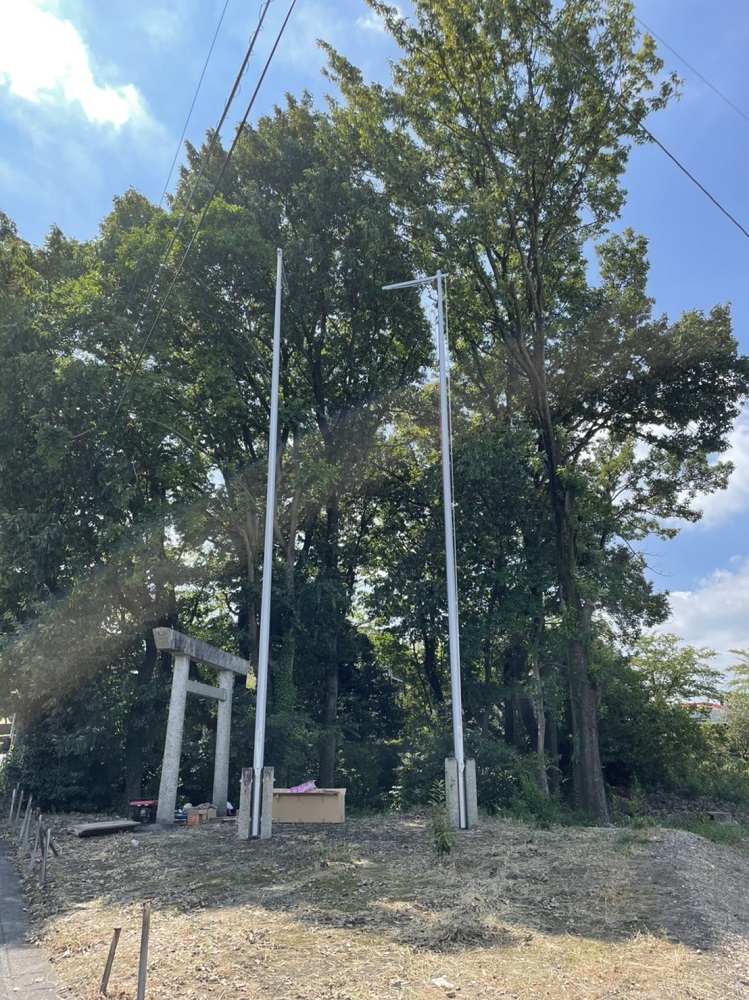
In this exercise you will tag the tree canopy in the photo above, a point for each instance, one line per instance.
(133, 466)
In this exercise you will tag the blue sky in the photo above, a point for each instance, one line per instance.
(94, 96)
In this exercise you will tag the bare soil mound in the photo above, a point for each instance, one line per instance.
(367, 910)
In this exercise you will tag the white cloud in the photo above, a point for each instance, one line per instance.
(373, 22)
(716, 613)
(718, 507)
(312, 20)
(44, 60)
(162, 26)
(721, 505)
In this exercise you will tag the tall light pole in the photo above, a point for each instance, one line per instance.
(451, 571)
(258, 756)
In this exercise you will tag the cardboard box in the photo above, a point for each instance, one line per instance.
(200, 814)
(324, 805)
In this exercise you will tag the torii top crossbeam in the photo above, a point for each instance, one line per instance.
(170, 641)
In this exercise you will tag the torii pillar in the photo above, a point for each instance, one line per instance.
(184, 649)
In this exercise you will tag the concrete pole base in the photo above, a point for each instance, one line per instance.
(244, 817)
(451, 794)
(266, 804)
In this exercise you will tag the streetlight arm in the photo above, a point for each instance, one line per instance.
(409, 284)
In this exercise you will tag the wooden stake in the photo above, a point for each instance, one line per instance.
(24, 837)
(45, 854)
(37, 840)
(143, 964)
(110, 960)
(18, 811)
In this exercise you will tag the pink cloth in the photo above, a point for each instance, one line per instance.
(308, 786)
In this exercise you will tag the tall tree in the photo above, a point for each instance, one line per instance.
(504, 139)
(347, 352)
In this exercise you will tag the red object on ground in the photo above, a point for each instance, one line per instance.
(144, 810)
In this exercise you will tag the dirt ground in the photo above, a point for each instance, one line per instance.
(368, 910)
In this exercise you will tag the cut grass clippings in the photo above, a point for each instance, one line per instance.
(368, 910)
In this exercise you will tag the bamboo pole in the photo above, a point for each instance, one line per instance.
(110, 961)
(143, 963)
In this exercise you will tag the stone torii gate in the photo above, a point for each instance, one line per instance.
(184, 649)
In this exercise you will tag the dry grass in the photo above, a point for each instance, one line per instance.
(367, 911)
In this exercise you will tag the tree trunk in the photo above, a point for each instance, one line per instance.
(587, 774)
(330, 715)
(509, 720)
(283, 689)
(551, 738)
(486, 712)
(489, 693)
(328, 741)
(138, 723)
(552, 747)
(283, 697)
(540, 716)
(430, 667)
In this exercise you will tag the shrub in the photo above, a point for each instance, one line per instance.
(500, 769)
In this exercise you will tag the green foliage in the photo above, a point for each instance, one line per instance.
(500, 769)
(443, 842)
(737, 706)
(728, 835)
(674, 673)
(367, 771)
(529, 804)
(502, 144)
(154, 517)
(650, 736)
(71, 758)
(581, 422)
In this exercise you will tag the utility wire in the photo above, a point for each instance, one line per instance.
(696, 72)
(178, 149)
(194, 100)
(183, 214)
(215, 138)
(214, 189)
(549, 29)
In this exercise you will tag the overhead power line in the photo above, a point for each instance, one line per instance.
(215, 139)
(178, 150)
(194, 100)
(214, 189)
(549, 29)
(696, 72)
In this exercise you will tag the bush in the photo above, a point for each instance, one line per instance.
(653, 742)
(500, 769)
(368, 772)
(66, 771)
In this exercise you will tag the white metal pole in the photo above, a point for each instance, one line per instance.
(451, 571)
(450, 568)
(270, 508)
